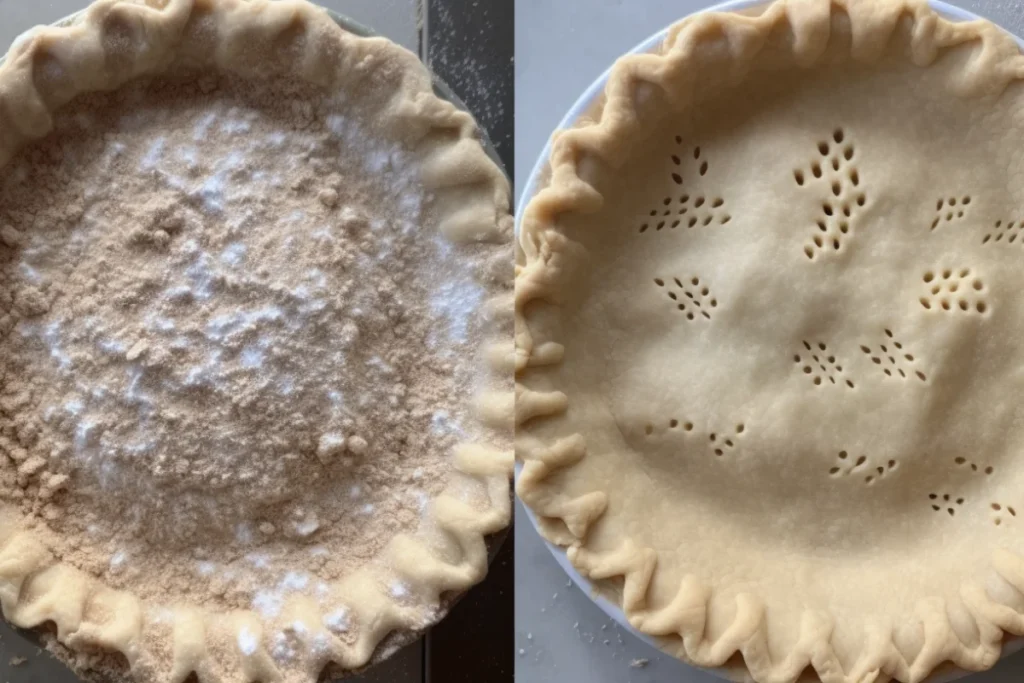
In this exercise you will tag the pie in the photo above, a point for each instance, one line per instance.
(256, 343)
(769, 342)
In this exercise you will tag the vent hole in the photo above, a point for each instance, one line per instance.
(848, 152)
(838, 135)
(836, 188)
(855, 177)
(799, 177)
(816, 169)
(823, 148)
(677, 178)
(704, 168)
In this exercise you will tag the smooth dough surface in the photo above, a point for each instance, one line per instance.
(792, 344)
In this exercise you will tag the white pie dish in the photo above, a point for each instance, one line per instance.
(578, 110)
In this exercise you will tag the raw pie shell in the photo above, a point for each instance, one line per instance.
(117, 41)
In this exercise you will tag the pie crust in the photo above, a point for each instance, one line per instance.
(766, 342)
(112, 47)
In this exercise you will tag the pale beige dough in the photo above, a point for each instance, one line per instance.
(789, 342)
(255, 343)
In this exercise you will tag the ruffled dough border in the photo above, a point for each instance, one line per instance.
(115, 41)
(543, 255)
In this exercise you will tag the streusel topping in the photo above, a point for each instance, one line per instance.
(226, 336)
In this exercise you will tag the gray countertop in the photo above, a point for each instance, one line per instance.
(562, 46)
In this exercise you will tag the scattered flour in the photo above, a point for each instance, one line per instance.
(227, 330)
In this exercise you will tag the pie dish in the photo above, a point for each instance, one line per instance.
(764, 347)
(255, 343)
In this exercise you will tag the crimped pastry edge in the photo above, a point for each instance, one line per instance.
(45, 69)
(543, 253)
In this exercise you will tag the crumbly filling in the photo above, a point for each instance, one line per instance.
(233, 351)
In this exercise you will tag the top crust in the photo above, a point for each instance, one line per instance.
(703, 617)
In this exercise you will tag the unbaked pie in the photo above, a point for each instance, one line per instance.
(769, 344)
(255, 342)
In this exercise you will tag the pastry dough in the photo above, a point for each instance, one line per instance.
(767, 342)
(115, 42)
